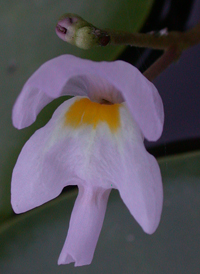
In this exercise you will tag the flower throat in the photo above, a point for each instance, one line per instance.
(85, 112)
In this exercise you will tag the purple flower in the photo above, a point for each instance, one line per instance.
(95, 141)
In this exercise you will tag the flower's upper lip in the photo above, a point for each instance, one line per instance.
(115, 82)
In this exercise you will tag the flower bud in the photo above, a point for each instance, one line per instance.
(76, 31)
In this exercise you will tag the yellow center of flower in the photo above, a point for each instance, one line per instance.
(85, 112)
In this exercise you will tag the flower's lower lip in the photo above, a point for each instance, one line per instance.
(59, 28)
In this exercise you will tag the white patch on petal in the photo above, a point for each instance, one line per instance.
(95, 154)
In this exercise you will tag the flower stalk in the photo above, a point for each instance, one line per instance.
(153, 40)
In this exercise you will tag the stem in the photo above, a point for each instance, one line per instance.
(173, 51)
(169, 56)
(154, 41)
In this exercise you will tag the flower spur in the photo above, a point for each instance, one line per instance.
(95, 141)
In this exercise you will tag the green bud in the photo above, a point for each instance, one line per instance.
(76, 31)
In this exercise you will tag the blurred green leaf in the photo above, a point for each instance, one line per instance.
(31, 243)
(28, 39)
